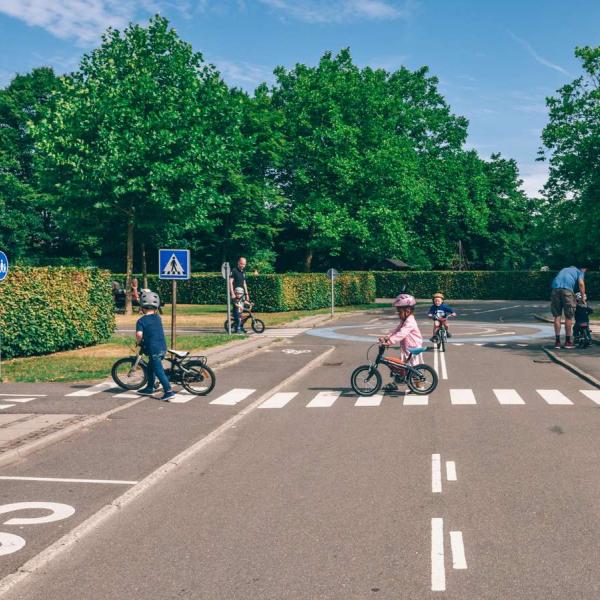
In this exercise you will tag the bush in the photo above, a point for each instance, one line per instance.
(45, 310)
(479, 285)
(273, 293)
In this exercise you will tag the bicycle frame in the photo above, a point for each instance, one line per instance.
(176, 368)
(393, 366)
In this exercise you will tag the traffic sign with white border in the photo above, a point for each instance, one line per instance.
(174, 264)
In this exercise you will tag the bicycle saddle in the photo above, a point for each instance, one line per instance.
(178, 353)
(416, 351)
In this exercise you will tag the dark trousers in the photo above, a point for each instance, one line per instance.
(156, 369)
(237, 319)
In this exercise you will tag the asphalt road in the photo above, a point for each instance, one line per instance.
(297, 489)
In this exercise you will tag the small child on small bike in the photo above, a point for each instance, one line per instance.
(239, 305)
(440, 312)
(581, 329)
(406, 333)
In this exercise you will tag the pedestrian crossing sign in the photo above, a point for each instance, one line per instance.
(174, 264)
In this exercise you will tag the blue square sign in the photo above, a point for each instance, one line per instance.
(174, 264)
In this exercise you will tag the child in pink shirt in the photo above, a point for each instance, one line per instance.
(406, 333)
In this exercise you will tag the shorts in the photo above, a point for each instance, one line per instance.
(563, 300)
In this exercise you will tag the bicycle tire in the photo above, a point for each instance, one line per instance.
(414, 377)
(225, 326)
(354, 380)
(257, 326)
(443, 342)
(206, 374)
(123, 383)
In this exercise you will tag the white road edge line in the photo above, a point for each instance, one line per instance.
(443, 364)
(438, 570)
(435, 359)
(436, 474)
(66, 480)
(450, 470)
(458, 550)
(67, 541)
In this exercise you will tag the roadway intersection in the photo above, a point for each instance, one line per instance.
(283, 484)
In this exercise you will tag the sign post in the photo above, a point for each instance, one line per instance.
(174, 265)
(332, 275)
(225, 272)
(3, 276)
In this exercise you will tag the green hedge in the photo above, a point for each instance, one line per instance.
(45, 310)
(480, 285)
(272, 293)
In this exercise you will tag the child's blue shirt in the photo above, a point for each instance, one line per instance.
(443, 310)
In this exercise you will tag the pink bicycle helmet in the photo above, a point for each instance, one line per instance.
(403, 300)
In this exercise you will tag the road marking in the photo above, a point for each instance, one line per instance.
(523, 345)
(554, 397)
(58, 512)
(5, 406)
(182, 397)
(438, 570)
(436, 359)
(20, 400)
(436, 474)
(479, 344)
(369, 400)
(232, 397)
(63, 480)
(462, 396)
(278, 400)
(508, 397)
(414, 400)
(323, 399)
(593, 395)
(501, 345)
(480, 312)
(94, 389)
(457, 343)
(498, 334)
(284, 333)
(450, 470)
(129, 395)
(458, 550)
(10, 543)
(443, 365)
(28, 395)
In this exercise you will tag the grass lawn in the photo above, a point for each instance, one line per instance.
(214, 315)
(94, 362)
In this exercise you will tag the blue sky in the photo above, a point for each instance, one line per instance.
(496, 61)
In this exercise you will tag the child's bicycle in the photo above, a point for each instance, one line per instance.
(441, 337)
(366, 380)
(257, 325)
(191, 372)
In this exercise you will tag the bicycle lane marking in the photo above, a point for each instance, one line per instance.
(115, 506)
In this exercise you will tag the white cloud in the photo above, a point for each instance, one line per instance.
(336, 11)
(83, 20)
(538, 57)
(243, 74)
(534, 176)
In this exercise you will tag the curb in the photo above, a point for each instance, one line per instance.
(67, 541)
(571, 367)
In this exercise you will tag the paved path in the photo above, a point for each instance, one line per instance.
(283, 484)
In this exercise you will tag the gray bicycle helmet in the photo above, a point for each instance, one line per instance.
(149, 299)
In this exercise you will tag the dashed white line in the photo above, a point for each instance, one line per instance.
(554, 397)
(369, 400)
(436, 474)
(443, 365)
(414, 400)
(450, 470)
(438, 569)
(458, 550)
(232, 397)
(278, 400)
(462, 396)
(94, 389)
(593, 395)
(323, 399)
(508, 397)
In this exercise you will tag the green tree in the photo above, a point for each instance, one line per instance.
(571, 144)
(136, 141)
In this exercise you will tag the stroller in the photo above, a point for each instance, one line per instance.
(582, 336)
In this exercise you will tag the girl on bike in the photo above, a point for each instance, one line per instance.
(440, 312)
(406, 333)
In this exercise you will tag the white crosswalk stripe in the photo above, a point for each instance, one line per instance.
(462, 396)
(94, 389)
(278, 400)
(182, 397)
(18, 400)
(410, 400)
(509, 397)
(554, 397)
(232, 397)
(323, 399)
(369, 400)
(5, 406)
(593, 395)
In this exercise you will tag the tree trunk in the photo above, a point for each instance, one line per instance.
(129, 271)
(144, 268)
(308, 259)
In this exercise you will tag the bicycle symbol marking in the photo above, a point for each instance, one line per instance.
(9, 542)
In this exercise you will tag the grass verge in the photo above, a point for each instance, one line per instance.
(94, 362)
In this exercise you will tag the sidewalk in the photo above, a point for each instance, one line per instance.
(583, 362)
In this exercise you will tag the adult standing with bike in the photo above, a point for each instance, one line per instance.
(237, 279)
(562, 300)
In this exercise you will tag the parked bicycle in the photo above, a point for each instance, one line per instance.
(257, 325)
(191, 372)
(366, 380)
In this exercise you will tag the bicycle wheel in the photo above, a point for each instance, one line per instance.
(126, 376)
(198, 379)
(258, 326)
(225, 325)
(443, 342)
(366, 380)
(422, 380)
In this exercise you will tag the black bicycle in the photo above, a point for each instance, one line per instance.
(191, 372)
(366, 380)
(257, 325)
(441, 337)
